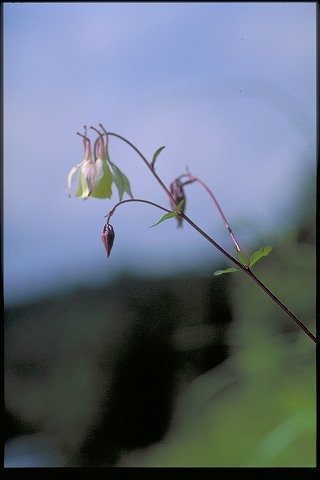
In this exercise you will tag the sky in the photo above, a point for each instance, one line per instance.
(228, 88)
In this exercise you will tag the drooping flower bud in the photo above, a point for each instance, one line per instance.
(178, 195)
(107, 237)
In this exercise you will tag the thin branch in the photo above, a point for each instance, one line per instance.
(205, 235)
(281, 305)
(253, 277)
(109, 215)
(145, 161)
(192, 179)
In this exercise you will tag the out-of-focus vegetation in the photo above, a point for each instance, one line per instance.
(257, 409)
(176, 372)
(97, 371)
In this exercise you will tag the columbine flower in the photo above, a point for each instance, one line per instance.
(107, 237)
(177, 193)
(95, 178)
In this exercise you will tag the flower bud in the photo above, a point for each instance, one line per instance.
(107, 237)
(177, 193)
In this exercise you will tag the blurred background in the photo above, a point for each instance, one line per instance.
(146, 358)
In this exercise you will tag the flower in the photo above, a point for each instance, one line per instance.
(95, 177)
(178, 195)
(107, 237)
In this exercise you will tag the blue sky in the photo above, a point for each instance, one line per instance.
(228, 88)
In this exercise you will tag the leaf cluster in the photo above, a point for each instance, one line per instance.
(245, 261)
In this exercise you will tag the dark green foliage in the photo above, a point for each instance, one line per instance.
(102, 368)
(258, 408)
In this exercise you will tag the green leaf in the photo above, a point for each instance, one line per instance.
(127, 187)
(155, 156)
(120, 180)
(165, 217)
(170, 214)
(228, 270)
(262, 252)
(242, 258)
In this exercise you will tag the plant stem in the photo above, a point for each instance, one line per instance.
(134, 200)
(145, 161)
(205, 235)
(281, 305)
(213, 242)
(253, 277)
(225, 221)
